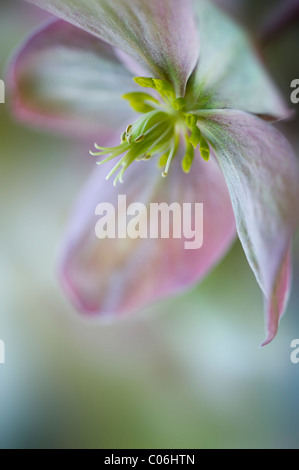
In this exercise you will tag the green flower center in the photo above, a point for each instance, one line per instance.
(157, 133)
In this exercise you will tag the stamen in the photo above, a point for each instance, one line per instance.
(178, 104)
(188, 158)
(116, 167)
(164, 88)
(154, 127)
(108, 149)
(157, 132)
(127, 161)
(170, 157)
(118, 178)
(129, 128)
(94, 154)
(191, 120)
(113, 155)
(139, 101)
(159, 139)
(140, 139)
(194, 139)
(204, 149)
(163, 160)
(144, 82)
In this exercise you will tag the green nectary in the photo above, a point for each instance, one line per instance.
(157, 133)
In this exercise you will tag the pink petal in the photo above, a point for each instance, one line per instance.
(263, 179)
(117, 276)
(69, 81)
(276, 306)
(161, 35)
(230, 72)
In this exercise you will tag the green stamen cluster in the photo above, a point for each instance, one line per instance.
(157, 132)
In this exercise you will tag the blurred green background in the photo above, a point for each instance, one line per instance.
(186, 373)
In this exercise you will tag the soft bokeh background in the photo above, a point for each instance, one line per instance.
(186, 373)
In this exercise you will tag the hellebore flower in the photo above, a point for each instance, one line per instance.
(203, 99)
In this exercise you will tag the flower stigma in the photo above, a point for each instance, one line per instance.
(164, 123)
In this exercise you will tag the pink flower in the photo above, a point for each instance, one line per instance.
(204, 82)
